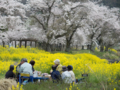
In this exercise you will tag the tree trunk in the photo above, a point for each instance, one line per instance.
(88, 47)
(67, 45)
(82, 47)
(48, 47)
(91, 46)
(101, 48)
(106, 48)
(76, 47)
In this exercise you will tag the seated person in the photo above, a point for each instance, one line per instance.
(38, 73)
(58, 66)
(35, 73)
(26, 68)
(55, 74)
(18, 67)
(32, 62)
(70, 70)
(66, 76)
(10, 74)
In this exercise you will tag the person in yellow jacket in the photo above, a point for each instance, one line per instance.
(58, 66)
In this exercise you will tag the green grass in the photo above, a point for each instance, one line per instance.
(97, 53)
(47, 85)
(2, 76)
(86, 85)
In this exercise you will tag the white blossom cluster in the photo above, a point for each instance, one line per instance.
(56, 21)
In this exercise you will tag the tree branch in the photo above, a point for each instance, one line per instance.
(39, 22)
(49, 9)
(73, 32)
(58, 36)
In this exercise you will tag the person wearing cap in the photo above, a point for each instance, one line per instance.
(58, 66)
(9, 74)
(18, 67)
(66, 76)
(70, 68)
(26, 67)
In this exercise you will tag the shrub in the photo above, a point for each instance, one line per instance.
(7, 84)
(110, 56)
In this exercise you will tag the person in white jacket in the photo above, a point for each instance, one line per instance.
(66, 76)
(26, 68)
(70, 68)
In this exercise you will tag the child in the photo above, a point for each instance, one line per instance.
(10, 74)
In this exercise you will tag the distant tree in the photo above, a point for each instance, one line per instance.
(12, 14)
(103, 26)
(58, 20)
(55, 17)
(71, 20)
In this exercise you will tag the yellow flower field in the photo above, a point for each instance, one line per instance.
(97, 69)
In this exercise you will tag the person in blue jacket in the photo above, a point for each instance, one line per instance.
(56, 77)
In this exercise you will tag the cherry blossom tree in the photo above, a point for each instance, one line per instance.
(100, 24)
(71, 20)
(12, 16)
(58, 19)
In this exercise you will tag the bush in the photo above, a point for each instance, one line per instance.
(110, 56)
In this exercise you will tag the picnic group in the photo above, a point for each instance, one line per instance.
(57, 74)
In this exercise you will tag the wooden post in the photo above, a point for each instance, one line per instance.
(25, 44)
(35, 43)
(3, 43)
(15, 44)
(20, 43)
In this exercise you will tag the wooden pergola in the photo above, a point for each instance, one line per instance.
(25, 40)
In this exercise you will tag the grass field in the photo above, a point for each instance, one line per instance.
(102, 75)
(2, 76)
(81, 86)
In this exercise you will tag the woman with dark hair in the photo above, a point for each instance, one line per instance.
(32, 62)
(70, 70)
(9, 73)
(38, 73)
